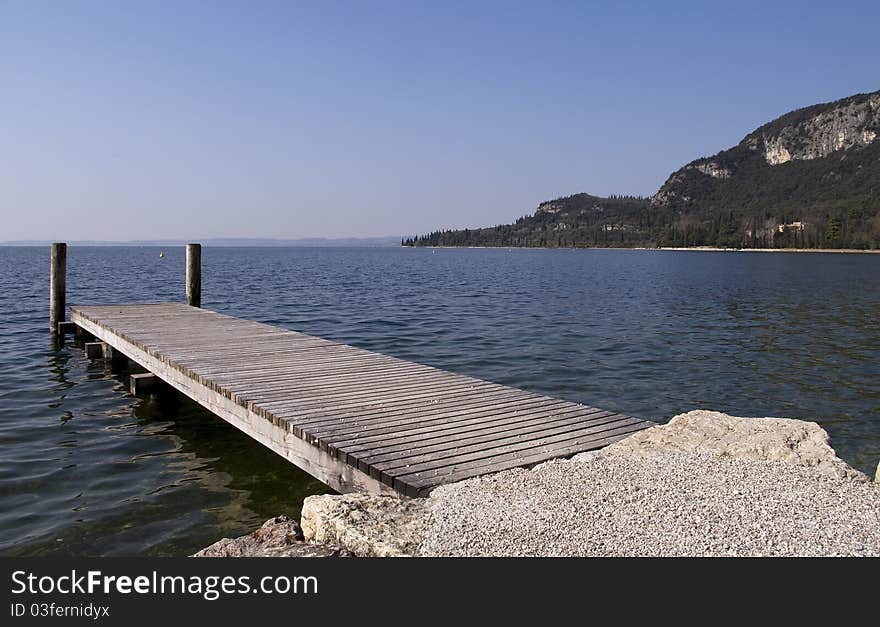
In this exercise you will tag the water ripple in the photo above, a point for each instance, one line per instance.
(87, 470)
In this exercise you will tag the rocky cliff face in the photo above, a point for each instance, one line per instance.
(850, 123)
(829, 131)
(818, 167)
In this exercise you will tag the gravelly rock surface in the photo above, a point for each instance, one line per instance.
(704, 484)
(665, 504)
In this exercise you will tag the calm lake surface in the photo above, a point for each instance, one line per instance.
(85, 469)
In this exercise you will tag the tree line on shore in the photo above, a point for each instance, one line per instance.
(589, 221)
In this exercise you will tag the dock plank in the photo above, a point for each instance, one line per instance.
(355, 419)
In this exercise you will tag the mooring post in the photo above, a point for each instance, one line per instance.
(97, 350)
(142, 381)
(57, 285)
(194, 275)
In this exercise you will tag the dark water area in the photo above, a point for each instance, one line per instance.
(86, 469)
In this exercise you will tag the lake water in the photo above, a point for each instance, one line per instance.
(85, 469)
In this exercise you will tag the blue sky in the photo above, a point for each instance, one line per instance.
(123, 120)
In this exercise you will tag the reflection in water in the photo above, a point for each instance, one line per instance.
(186, 480)
(57, 362)
(231, 477)
(85, 469)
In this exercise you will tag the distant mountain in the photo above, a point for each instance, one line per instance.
(810, 178)
(579, 220)
(389, 240)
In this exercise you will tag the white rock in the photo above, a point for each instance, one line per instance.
(366, 525)
(714, 433)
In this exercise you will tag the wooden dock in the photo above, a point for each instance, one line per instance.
(354, 419)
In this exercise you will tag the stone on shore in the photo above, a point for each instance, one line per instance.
(714, 433)
(277, 537)
(368, 526)
(704, 484)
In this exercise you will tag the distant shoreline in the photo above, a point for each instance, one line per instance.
(711, 249)
(388, 241)
(366, 244)
(774, 250)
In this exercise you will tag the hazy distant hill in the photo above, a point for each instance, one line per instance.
(390, 240)
(810, 178)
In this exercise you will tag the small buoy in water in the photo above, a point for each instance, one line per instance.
(162, 254)
(433, 252)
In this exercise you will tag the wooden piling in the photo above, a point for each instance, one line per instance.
(102, 350)
(57, 285)
(194, 275)
(140, 382)
(95, 350)
(64, 328)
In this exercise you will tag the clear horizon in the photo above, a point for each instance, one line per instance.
(180, 242)
(189, 121)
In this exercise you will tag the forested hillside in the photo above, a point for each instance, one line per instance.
(809, 179)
